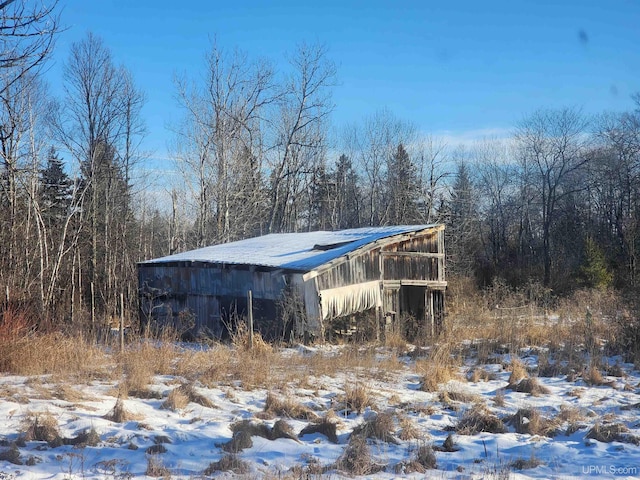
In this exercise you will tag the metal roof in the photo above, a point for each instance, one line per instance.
(294, 251)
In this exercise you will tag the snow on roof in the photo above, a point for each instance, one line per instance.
(294, 251)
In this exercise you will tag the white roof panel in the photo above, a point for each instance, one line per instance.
(295, 251)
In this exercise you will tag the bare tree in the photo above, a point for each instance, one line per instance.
(431, 157)
(27, 34)
(220, 143)
(552, 148)
(373, 143)
(615, 186)
(99, 123)
(299, 134)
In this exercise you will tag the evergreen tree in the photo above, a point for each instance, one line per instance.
(594, 272)
(462, 224)
(348, 195)
(55, 189)
(402, 189)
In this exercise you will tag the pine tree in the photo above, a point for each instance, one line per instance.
(55, 189)
(348, 194)
(594, 272)
(402, 189)
(462, 224)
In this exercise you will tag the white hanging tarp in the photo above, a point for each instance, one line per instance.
(337, 302)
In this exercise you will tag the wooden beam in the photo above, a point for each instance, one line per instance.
(413, 254)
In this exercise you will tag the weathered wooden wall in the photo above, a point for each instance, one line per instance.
(209, 293)
(409, 269)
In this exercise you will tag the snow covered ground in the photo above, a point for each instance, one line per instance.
(161, 438)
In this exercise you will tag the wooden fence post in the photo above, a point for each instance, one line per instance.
(121, 322)
(250, 313)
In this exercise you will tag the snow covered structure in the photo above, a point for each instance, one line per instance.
(395, 272)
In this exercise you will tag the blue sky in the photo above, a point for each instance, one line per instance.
(460, 68)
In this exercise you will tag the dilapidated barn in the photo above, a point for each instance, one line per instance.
(301, 283)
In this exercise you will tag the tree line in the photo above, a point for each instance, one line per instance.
(255, 152)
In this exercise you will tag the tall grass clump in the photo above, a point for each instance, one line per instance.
(141, 361)
(439, 367)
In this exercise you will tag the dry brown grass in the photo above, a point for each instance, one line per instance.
(479, 419)
(526, 463)
(440, 367)
(156, 467)
(529, 385)
(141, 361)
(176, 400)
(287, 407)
(356, 458)
(242, 340)
(532, 422)
(327, 426)
(65, 357)
(518, 371)
(394, 340)
(608, 432)
(357, 397)
(68, 393)
(181, 396)
(228, 463)
(379, 426)
(408, 429)
(422, 460)
(210, 366)
(500, 316)
(281, 429)
(592, 376)
(42, 427)
(478, 374)
(448, 396)
(120, 414)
